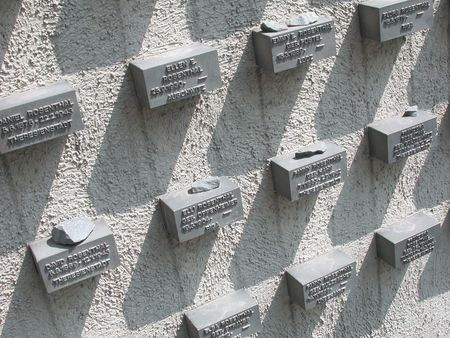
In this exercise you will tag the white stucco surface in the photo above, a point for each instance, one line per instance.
(125, 157)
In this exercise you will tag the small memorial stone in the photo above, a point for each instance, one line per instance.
(309, 170)
(296, 46)
(38, 115)
(195, 211)
(72, 231)
(273, 26)
(383, 20)
(176, 75)
(320, 279)
(234, 315)
(399, 137)
(407, 240)
(62, 265)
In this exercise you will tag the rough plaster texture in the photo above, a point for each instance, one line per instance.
(126, 157)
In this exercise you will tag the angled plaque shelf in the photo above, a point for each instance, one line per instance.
(407, 240)
(234, 315)
(38, 115)
(176, 75)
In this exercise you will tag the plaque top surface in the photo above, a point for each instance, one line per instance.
(408, 227)
(289, 162)
(172, 56)
(319, 266)
(394, 124)
(321, 20)
(34, 94)
(179, 199)
(220, 309)
(383, 3)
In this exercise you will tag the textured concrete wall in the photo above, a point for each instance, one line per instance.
(126, 157)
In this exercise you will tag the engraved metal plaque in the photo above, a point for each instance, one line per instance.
(399, 137)
(407, 240)
(234, 315)
(176, 75)
(38, 115)
(296, 46)
(298, 177)
(188, 215)
(64, 265)
(383, 20)
(320, 279)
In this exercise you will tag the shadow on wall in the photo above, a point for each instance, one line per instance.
(432, 185)
(9, 10)
(365, 196)
(356, 83)
(214, 19)
(435, 278)
(92, 34)
(376, 287)
(30, 304)
(296, 321)
(138, 153)
(26, 177)
(166, 277)
(430, 79)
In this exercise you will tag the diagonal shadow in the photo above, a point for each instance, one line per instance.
(91, 34)
(435, 278)
(365, 196)
(34, 313)
(214, 19)
(9, 10)
(377, 286)
(429, 82)
(432, 184)
(361, 70)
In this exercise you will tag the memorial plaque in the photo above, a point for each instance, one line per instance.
(234, 315)
(296, 46)
(38, 115)
(308, 171)
(176, 75)
(399, 137)
(320, 279)
(407, 240)
(188, 214)
(63, 265)
(383, 20)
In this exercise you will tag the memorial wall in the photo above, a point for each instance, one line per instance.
(212, 168)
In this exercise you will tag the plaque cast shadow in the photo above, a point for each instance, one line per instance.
(167, 275)
(286, 319)
(365, 196)
(369, 300)
(33, 312)
(432, 186)
(435, 277)
(356, 83)
(26, 178)
(213, 19)
(138, 153)
(430, 79)
(9, 10)
(92, 34)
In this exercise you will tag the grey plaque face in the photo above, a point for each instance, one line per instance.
(407, 240)
(176, 75)
(296, 46)
(399, 137)
(235, 315)
(38, 115)
(189, 215)
(322, 278)
(64, 265)
(295, 178)
(384, 20)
